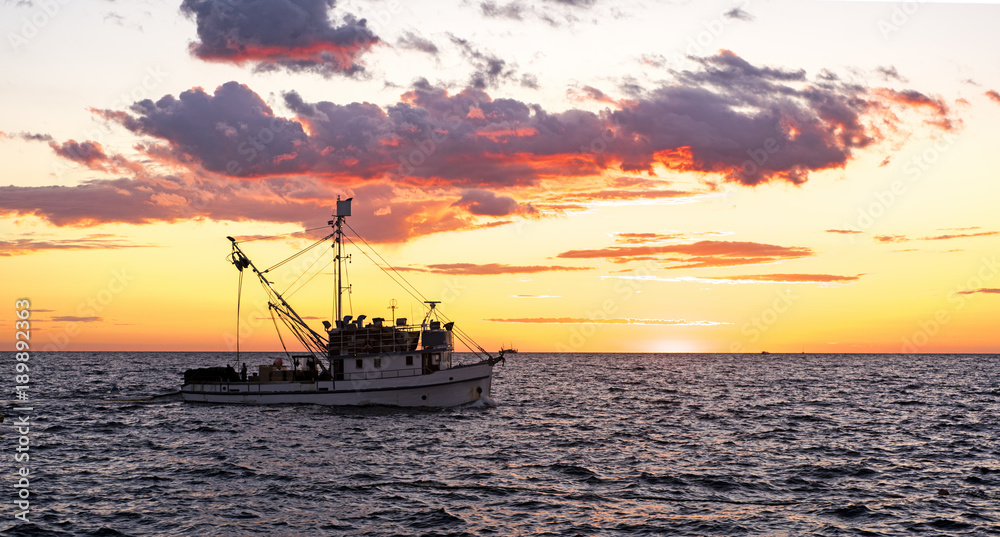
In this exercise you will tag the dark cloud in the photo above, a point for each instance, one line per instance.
(87, 153)
(233, 131)
(738, 13)
(489, 69)
(993, 95)
(529, 80)
(513, 10)
(487, 203)
(890, 238)
(384, 212)
(889, 73)
(28, 136)
(984, 290)
(292, 34)
(91, 242)
(412, 41)
(729, 118)
(76, 319)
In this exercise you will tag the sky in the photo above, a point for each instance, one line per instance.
(564, 175)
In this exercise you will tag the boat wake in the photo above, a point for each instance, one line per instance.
(483, 402)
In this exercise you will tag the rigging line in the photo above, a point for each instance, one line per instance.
(239, 297)
(424, 299)
(296, 331)
(370, 247)
(420, 298)
(305, 283)
(320, 256)
(391, 277)
(303, 332)
(271, 307)
(300, 252)
(358, 235)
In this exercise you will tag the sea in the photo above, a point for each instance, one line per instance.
(568, 445)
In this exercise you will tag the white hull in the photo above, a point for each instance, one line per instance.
(445, 388)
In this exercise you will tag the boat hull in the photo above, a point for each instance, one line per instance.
(450, 387)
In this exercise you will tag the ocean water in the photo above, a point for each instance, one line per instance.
(588, 444)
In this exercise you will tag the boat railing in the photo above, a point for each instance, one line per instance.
(387, 374)
(373, 339)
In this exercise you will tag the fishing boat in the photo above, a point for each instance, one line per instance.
(354, 361)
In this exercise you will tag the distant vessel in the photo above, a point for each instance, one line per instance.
(354, 363)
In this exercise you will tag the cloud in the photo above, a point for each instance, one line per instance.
(646, 238)
(87, 153)
(294, 200)
(889, 73)
(24, 246)
(233, 132)
(993, 95)
(296, 35)
(844, 231)
(536, 296)
(412, 41)
(960, 236)
(28, 136)
(513, 11)
(489, 69)
(890, 238)
(728, 119)
(739, 14)
(466, 269)
(487, 203)
(75, 319)
(947, 236)
(984, 290)
(755, 124)
(623, 321)
(748, 279)
(700, 254)
(789, 278)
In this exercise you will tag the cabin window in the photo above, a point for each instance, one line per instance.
(358, 364)
(409, 360)
(378, 362)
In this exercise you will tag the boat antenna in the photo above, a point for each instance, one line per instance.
(392, 306)
(343, 211)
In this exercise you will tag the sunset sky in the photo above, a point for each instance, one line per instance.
(565, 175)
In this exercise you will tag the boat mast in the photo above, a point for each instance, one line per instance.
(343, 211)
